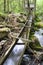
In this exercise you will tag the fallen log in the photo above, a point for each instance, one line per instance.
(4, 32)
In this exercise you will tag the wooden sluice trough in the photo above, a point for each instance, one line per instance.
(15, 37)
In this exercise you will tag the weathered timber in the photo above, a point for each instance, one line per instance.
(7, 52)
(4, 32)
(17, 38)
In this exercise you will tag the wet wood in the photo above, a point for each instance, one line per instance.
(30, 22)
(15, 39)
(6, 53)
(22, 54)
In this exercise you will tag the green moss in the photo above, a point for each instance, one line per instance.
(32, 37)
(39, 24)
(2, 17)
(21, 19)
(35, 43)
(36, 28)
(3, 14)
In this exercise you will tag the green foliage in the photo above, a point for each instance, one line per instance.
(37, 19)
(1, 5)
(14, 6)
(39, 24)
(39, 6)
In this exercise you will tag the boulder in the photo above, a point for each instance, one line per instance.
(34, 44)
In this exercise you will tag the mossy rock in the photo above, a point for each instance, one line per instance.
(4, 32)
(35, 43)
(39, 24)
(36, 28)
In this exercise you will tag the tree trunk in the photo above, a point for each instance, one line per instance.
(35, 5)
(4, 5)
(29, 11)
(8, 6)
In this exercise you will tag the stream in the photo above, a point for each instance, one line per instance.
(27, 58)
(39, 35)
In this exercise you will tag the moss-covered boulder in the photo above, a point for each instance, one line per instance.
(34, 44)
(38, 24)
